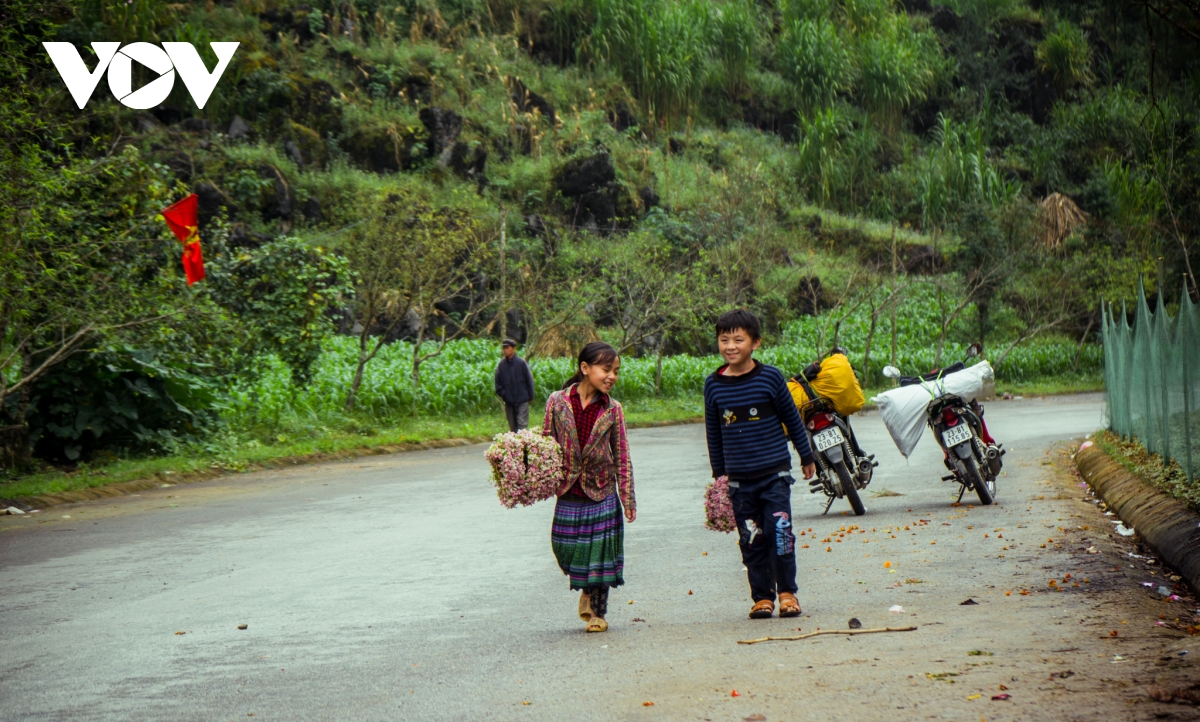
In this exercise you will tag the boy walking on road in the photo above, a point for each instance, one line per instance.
(514, 385)
(746, 406)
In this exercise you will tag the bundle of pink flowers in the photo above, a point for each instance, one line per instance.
(718, 510)
(526, 467)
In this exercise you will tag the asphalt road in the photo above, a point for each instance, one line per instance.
(398, 588)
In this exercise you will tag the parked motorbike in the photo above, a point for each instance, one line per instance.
(971, 455)
(842, 468)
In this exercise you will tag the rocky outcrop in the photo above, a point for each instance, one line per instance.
(210, 200)
(528, 101)
(622, 117)
(1032, 90)
(589, 185)
(444, 127)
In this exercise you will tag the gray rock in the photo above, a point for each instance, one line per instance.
(238, 128)
(293, 152)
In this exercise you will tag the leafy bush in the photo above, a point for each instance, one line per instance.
(1065, 55)
(123, 400)
(281, 290)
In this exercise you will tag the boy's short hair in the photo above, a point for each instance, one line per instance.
(739, 318)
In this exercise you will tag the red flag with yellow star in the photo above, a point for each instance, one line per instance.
(183, 219)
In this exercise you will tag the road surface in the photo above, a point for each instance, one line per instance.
(397, 587)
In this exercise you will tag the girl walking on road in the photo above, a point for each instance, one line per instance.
(588, 534)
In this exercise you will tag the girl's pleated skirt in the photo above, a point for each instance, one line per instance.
(588, 538)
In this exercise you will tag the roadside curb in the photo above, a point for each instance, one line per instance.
(106, 491)
(1165, 524)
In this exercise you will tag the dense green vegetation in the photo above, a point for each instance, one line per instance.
(388, 186)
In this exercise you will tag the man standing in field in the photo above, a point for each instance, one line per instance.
(514, 385)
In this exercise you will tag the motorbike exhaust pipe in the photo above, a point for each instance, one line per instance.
(993, 458)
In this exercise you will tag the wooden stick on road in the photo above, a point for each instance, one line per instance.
(827, 631)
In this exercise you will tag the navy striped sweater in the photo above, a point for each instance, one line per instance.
(742, 419)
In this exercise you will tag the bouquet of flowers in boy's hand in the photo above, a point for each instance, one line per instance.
(718, 509)
(526, 467)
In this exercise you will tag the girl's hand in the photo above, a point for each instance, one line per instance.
(631, 514)
(809, 470)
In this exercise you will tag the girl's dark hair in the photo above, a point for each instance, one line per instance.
(596, 352)
(731, 321)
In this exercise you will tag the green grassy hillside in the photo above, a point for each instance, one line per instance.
(900, 177)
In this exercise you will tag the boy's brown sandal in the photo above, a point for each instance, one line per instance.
(762, 609)
(597, 624)
(788, 606)
(585, 606)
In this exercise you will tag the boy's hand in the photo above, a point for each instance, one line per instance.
(631, 514)
(809, 471)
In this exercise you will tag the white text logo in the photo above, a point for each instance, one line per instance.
(165, 61)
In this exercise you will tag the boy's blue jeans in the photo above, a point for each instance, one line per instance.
(763, 509)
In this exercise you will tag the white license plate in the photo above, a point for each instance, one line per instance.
(955, 435)
(828, 439)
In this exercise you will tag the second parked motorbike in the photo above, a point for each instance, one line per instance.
(971, 455)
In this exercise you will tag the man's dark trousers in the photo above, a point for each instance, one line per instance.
(763, 509)
(518, 416)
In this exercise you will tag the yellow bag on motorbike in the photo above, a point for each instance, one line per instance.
(836, 383)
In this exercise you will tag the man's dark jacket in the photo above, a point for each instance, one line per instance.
(514, 382)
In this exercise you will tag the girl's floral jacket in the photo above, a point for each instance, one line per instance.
(601, 464)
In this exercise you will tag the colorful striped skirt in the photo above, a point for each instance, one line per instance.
(588, 538)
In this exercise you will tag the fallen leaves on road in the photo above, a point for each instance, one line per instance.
(1001, 696)
(647, 704)
(974, 696)
(887, 565)
(734, 693)
(756, 717)
(969, 603)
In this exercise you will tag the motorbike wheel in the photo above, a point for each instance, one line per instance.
(849, 488)
(976, 479)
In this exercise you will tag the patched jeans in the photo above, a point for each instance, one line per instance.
(763, 509)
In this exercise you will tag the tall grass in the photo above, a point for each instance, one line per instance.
(958, 171)
(816, 60)
(660, 48)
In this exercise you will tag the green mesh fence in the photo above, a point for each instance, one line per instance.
(1152, 376)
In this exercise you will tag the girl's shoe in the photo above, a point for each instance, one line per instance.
(597, 624)
(585, 605)
(788, 606)
(762, 610)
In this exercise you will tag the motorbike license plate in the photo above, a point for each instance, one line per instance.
(955, 435)
(828, 439)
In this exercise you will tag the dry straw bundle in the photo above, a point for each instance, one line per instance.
(1060, 217)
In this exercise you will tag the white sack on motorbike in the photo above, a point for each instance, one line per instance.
(903, 409)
